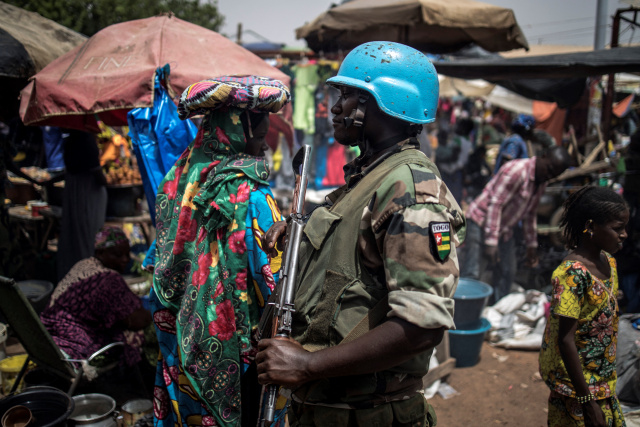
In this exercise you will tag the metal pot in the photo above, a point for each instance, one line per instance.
(95, 410)
(135, 409)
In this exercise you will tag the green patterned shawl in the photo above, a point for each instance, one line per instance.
(202, 263)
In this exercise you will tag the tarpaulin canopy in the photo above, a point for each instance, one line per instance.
(565, 92)
(28, 42)
(450, 86)
(557, 78)
(434, 26)
(113, 72)
(621, 108)
(567, 65)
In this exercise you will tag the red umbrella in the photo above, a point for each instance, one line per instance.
(113, 72)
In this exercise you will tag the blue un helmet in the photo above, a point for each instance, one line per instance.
(402, 79)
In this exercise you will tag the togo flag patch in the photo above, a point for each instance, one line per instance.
(441, 234)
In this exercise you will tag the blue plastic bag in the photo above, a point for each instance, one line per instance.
(158, 137)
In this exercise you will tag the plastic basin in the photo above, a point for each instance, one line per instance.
(471, 297)
(465, 344)
(49, 406)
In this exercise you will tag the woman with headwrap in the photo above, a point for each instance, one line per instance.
(211, 277)
(92, 306)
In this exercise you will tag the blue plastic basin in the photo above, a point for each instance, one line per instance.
(471, 297)
(465, 344)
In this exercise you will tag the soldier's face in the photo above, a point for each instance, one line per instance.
(346, 103)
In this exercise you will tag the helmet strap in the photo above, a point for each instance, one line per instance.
(356, 118)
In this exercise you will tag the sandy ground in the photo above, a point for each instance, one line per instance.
(503, 389)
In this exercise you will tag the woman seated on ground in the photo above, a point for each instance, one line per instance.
(92, 306)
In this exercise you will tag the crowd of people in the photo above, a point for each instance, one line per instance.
(378, 265)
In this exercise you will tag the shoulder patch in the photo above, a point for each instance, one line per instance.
(421, 174)
(440, 234)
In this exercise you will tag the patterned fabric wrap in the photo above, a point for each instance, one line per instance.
(580, 295)
(176, 404)
(567, 412)
(201, 266)
(245, 92)
(109, 236)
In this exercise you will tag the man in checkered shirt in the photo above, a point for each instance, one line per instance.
(511, 196)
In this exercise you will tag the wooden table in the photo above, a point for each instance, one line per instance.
(36, 229)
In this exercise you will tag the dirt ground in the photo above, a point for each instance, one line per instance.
(503, 389)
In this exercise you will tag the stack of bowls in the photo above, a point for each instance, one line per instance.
(465, 342)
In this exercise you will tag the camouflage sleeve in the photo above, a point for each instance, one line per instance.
(404, 242)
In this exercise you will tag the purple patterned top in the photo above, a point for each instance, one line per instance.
(87, 309)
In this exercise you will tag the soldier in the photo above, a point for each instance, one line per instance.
(380, 252)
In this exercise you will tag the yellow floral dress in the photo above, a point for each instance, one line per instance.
(578, 294)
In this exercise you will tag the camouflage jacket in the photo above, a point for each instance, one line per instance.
(379, 238)
(398, 248)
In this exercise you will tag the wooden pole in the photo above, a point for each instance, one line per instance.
(607, 105)
(574, 146)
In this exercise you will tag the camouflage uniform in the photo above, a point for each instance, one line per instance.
(374, 241)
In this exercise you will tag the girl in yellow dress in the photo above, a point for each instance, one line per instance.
(578, 354)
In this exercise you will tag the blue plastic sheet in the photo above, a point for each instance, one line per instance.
(158, 137)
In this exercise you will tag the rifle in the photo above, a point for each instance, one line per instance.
(276, 320)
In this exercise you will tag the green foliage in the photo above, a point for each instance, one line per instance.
(90, 16)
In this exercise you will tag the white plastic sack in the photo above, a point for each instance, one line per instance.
(432, 389)
(493, 316)
(529, 342)
(510, 303)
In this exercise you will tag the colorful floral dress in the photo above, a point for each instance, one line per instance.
(578, 294)
(211, 277)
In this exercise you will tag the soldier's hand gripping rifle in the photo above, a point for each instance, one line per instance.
(276, 320)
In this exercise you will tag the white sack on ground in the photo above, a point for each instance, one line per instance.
(517, 320)
(432, 389)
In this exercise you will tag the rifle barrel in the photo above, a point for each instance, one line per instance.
(284, 307)
(303, 179)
